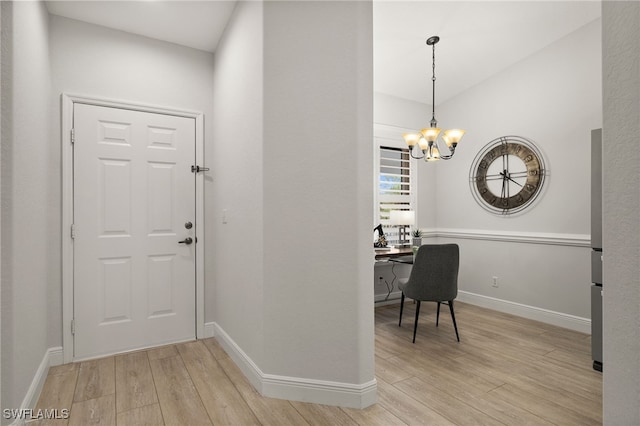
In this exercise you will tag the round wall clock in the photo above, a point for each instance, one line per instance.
(507, 175)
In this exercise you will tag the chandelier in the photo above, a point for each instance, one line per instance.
(427, 139)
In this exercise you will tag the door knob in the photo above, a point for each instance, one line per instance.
(188, 225)
(186, 241)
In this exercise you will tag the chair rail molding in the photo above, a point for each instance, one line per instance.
(568, 240)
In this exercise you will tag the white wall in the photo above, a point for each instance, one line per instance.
(99, 61)
(621, 204)
(3, 37)
(235, 250)
(29, 230)
(553, 98)
(92, 60)
(317, 190)
(292, 146)
(393, 111)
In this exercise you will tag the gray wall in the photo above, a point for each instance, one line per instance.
(621, 204)
(30, 234)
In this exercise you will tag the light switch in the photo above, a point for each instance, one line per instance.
(224, 216)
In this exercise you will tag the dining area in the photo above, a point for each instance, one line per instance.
(496, 368)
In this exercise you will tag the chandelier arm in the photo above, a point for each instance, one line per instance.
(452, 149)
(413, 156)
(417, 158)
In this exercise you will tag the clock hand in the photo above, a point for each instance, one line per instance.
(494, 177)
(506, 176)
(519, 184)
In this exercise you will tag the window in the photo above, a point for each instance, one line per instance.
(394, 187)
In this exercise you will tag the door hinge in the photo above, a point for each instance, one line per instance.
(73, 231)
(73, 136)
(73, 326)
(198, 169)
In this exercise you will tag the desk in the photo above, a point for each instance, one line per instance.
(402, 255)
(392, 253)
(407, 259)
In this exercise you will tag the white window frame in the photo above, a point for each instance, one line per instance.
(391, 136)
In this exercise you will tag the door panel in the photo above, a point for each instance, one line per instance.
(134, 283)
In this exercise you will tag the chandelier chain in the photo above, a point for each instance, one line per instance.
(434, 123)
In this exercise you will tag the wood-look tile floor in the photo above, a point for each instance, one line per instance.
(506, 370)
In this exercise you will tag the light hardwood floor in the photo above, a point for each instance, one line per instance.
(506, 370)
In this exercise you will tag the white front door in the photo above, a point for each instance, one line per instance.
(134, 230)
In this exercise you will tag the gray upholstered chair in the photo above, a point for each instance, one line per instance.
(434, 278)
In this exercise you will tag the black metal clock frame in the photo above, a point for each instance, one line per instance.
(519, 188)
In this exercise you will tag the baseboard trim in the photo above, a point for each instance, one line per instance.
(52, 356)
(209, 330)
(559, 319)
(297, 388)
(56, 356)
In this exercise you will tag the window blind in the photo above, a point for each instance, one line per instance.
(394, 189)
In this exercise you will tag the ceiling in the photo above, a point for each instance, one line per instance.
(477, 38)
(197, 24)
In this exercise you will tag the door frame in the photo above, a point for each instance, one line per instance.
(68, 100)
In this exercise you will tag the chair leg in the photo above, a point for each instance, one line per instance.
(401, 307)
(453, 317)
(415, 326)
(438, 315)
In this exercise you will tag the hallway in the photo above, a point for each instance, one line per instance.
(506, 370)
